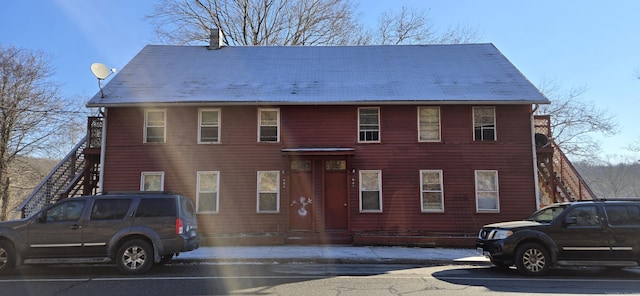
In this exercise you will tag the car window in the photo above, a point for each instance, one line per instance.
(623, 214)
(547, 215)
(585, 216)
(156, 207)
(110, 209)
(66, 211)
(188, 209)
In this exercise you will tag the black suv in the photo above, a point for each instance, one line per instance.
(582, 233)
(134, 230)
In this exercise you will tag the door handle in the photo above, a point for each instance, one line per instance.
(345, 204)
(76, 226)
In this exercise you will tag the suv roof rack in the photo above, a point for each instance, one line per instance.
(138, 192)
(618, 199)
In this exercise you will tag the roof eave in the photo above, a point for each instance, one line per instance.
(323, 103)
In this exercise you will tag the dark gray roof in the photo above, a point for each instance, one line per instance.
(408, 74)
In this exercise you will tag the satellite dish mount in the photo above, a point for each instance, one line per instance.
(101, 72)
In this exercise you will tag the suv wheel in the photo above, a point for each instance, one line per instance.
(532, 259)
(134, 257)
(7, 257)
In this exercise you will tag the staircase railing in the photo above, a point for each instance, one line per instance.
(561, 179)
(56, 185)
(570, 177)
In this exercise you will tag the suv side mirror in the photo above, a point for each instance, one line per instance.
(570, 221)
(41, 217)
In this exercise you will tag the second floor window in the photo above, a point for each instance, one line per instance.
(209, 126)
(484, 124)
(155, 122)
(369, 125)
(268, 125)
(428, 124)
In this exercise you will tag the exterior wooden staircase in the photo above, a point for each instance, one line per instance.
(558, 179)
(77, 174)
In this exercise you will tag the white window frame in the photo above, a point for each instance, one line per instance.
(482, 192)
(259, 190)
(482, 127)
(420, 125)
(260, 125)
(424, 191)
(144, 175)
(201, 125)
(200, 191)
(360, 130)
(163, 126)
(363, 190)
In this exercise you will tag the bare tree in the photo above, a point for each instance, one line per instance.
(257, 22)
(31, 112)
(295, 22)
(573, 120)
(415, 26)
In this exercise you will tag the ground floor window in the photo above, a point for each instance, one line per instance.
(370, 191)
(152, 181)
(268, 192)
(432, 194)
(207, 195)
(487, 191)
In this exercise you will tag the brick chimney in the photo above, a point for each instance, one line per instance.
(216, 39)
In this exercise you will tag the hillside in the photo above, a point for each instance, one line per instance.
(26, 173)
(612, 180)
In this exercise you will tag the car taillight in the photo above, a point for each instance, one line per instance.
(179, 224)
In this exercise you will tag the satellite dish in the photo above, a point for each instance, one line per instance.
(101, 72)
(541, 140)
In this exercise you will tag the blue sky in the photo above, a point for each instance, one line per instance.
(574, 42)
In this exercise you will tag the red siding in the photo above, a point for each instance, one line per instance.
(399, 155)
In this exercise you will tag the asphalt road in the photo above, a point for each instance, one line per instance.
(315, 279)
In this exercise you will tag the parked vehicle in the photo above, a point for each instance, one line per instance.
(134, 230)
(582, 233)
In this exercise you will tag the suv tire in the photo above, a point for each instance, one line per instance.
(7, 257)
(532, 259)
(134, 257)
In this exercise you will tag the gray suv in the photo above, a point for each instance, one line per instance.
(134, 230)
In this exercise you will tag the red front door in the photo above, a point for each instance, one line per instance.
(335, 195)
(300, 197)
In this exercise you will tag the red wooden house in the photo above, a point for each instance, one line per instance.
(418, 144)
